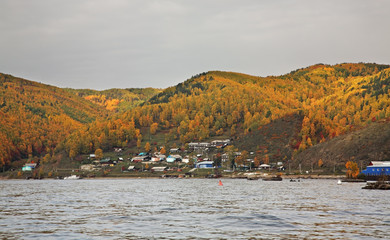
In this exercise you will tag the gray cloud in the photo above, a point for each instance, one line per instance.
(105, 44)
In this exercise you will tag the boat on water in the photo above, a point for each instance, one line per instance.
(72, 177)
(295, 180)
(273, 178)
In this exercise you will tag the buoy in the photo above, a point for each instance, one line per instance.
(220, 183)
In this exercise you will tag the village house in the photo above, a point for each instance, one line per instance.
(225, 157)
(265, 166)
(377, 168)
(106, 162)
(141, 157)
(29, 167)
(118, 150)
(199, 145)
(158, 158)
(174, 158)
(174, 150)
(186, 159)
(87, 167)
(220, 143)
(159, 169)
(205, 164)
(131, 168)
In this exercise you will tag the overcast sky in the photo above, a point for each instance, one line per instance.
(102, 44)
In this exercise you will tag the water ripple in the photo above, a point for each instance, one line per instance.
(191, 209)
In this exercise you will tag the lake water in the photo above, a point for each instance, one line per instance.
(191, 209)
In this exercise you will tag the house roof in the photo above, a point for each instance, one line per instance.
(380, 163)
(205, 162)
(33, 165)
(107, 160)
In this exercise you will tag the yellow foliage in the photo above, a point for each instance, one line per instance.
(147, 147)
(320, 163)
(352, 169)
(99, 153)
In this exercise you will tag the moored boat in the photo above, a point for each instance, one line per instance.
(72, 177)
(273, 178)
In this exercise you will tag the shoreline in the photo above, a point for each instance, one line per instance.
(222, 177)
(302, 176)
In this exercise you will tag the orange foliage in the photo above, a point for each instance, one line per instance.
(352, 169)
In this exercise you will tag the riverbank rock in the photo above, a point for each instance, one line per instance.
(377, 185)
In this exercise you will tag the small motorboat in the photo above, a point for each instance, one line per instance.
(72, 177)
(339, 182)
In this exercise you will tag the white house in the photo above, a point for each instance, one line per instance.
(174, 158)
(265, 166)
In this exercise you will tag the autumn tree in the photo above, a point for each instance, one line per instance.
(320, 163)
(244, 156)
(99, 153)
(163, 151)
(256, 162)
(153, 128)
(239, 161)
(46, 158)
(147, 147)
(352, 169)
(72, 154)
(266, 159)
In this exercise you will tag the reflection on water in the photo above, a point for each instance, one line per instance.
(191, 209)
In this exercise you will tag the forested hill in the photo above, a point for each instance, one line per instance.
(35, 117)
(329, 100)
(320, 102)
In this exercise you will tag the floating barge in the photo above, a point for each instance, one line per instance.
(273, 178)
(379, 185)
